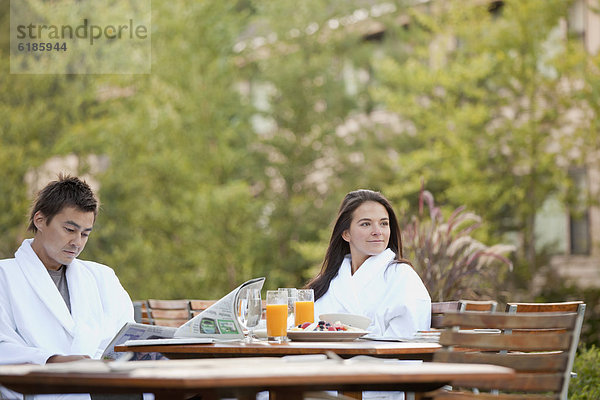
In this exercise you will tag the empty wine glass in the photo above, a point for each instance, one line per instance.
(250, 311)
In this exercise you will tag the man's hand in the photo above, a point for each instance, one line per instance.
(61, 359)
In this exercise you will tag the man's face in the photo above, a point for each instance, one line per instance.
(60, 241)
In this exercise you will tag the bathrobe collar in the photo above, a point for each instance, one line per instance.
(84, 323)
(348, 288)
(38, 277)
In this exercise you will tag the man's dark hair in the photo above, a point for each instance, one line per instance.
(67, 191)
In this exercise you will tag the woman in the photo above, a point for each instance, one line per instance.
(364, 272)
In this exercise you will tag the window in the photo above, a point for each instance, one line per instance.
(576, 18)
(579, 219)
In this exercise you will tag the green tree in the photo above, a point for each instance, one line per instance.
(480, 93)
(41, 116)
(296, 65)
(230, 159)
(180, 217)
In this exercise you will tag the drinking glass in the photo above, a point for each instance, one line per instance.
(277, 306)
(291, 294)
(250, 311)
(253, 312)
(305, 306)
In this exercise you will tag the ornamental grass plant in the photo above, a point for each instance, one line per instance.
(451, 263)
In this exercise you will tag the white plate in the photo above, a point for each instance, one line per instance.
(355, 320)
(324, 336)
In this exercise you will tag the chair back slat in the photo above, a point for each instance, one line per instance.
(522, 382)
(478, 305)
(546, 341)
(170, 314)
(197, 306)
(509, 321)
(168, 304)
(567, 306)
(525, 362)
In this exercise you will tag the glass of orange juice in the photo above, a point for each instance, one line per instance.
(305, 306)
(277, 311)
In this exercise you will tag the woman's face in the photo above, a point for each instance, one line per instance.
(369, 231)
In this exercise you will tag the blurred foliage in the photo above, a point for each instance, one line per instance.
(586, 385)
(230, 159)
(590, 332)
(451, 263)
(484, 101)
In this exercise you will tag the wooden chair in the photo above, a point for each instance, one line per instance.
(168, 312)
(439, 308)
(140, 312)
(197, 306)
(565, 306)
(542, 361)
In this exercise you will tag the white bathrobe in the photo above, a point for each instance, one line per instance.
(392, 295)
(35, 322)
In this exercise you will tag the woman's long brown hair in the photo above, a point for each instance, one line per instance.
(338, 247)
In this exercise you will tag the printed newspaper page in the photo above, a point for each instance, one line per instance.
(135, 331)
(221, 319)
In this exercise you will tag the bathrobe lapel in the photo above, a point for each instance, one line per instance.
(86, 309)
(84, 323)
(37, 276)
(357, 292)
(342, 289)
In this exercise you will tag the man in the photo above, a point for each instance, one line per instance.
(53, 306)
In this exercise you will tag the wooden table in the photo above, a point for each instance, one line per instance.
(243, 378)
(400, 350)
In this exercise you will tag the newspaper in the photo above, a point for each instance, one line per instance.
(135, 331)
(221, 319)
(167, 341)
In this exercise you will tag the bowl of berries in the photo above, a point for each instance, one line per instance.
(324, 331)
